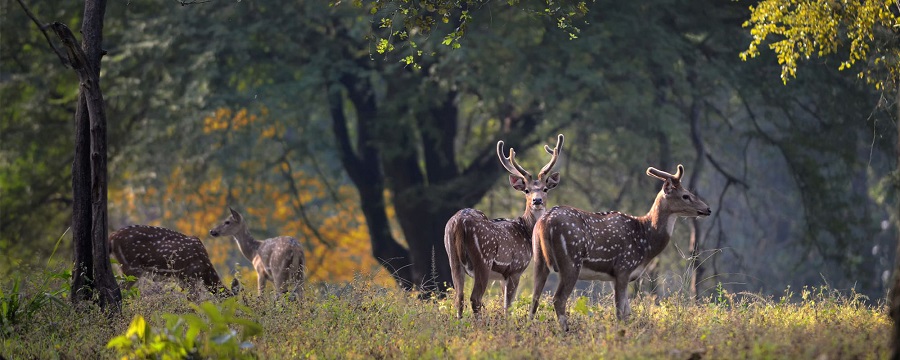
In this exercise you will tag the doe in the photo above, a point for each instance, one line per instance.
(144, 250)
(279, 259)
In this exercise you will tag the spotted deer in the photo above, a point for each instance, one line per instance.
(607, 246)
(149, 250)
(498, 249)
(279, 259)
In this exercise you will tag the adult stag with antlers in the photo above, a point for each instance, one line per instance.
(608, 246)
(279, 259)
(498, 249)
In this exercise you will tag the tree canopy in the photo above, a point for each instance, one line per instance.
(859, 31)
(287, 112)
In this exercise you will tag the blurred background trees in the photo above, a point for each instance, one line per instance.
(290, 114)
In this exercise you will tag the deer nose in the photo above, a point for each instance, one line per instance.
(537, 201)
(213, 233)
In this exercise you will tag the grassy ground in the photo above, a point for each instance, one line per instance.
(358, 320)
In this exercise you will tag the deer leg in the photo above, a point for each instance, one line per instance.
(623, 308)
(541, 271)
(479, 287)
(459, 284)
(510, 286)
(260, 282)
(568, 275)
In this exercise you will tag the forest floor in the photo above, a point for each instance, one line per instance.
(359, 320)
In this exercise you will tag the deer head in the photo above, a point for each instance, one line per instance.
(233, 225)
(520, 179)
(676, 199)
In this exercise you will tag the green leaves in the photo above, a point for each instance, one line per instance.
(17, 309)
(219, 333)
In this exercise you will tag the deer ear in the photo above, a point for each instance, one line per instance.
(552, 180)
(517, 183)
(236, 215)
(669, 186)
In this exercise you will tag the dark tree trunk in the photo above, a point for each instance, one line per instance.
(92, 31)
(83, 272)
(365, 172)
(85, 60)
(425, 193)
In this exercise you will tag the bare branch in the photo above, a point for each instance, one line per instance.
(43, 29)
(728, 176)
(192, 2)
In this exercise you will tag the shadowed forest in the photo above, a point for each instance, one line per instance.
(327, 123)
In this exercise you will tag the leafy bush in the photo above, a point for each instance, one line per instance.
(191, 336)
(18, 309)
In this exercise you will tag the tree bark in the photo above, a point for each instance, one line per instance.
(83, 271)
(366, 175)
(85, 60)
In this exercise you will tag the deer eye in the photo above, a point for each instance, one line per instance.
(686, 197)
(527, 191)
(227, 222)
(546, 189)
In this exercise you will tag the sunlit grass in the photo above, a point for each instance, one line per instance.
(361, 320)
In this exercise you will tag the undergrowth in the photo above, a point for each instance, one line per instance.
(361, 320)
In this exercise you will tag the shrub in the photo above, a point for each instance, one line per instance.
(191, 336)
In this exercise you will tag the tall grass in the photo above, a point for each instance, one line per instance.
(361, 320)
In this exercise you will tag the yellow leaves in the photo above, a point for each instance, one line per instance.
(801, 28)
(224, 118)
(193, 206)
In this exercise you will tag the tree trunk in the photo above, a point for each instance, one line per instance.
(83, 272)
(85, 60)
(92, 31)
(366, 175)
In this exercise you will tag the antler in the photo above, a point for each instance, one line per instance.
(662, 175)
(560, 139)
(510, 164)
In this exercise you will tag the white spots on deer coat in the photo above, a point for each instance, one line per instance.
(149, 249)
(280, 259)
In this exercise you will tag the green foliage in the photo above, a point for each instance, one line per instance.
(403, 21)
(805, 28)
(192, 336)
(18, 309)
(360, 320)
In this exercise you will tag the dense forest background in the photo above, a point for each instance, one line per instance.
(291, 114)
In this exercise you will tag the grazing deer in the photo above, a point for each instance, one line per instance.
(279, 259)
(501, 248)
(608, 246)
(143, 250)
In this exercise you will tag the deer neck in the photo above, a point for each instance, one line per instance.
(659, 224)
(246, 243)
(530, 217)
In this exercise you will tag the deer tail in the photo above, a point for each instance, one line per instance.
(541, 238)
(454, 234)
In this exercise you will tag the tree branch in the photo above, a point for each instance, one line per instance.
(192, 2)
(726, 174)
(43, 29)
(76, 57)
